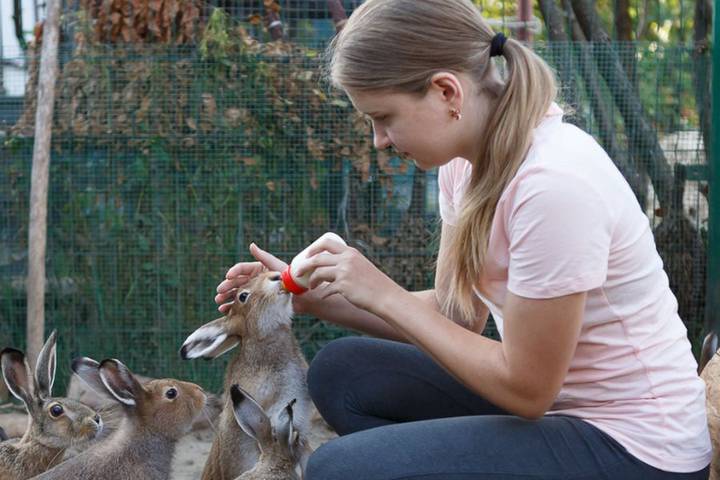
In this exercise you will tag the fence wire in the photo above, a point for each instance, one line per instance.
(169, 160)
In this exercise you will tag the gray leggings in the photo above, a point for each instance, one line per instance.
(401, 416)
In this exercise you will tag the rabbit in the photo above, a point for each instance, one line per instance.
(54, 423)
(156, 415)
(268, 363)
(279, 443)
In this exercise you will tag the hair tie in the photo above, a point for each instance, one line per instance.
(497, 44)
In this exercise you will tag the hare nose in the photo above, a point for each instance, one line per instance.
(97, 418)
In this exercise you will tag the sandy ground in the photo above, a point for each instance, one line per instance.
(190, 455)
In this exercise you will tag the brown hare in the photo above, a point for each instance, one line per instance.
(268, 364)
(157, 414)
(54, 423)
(279, 443)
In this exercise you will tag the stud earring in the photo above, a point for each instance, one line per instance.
(455, 113)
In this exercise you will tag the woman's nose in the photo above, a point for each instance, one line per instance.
(380, 139)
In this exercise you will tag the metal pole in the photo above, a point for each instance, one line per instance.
(712, 305)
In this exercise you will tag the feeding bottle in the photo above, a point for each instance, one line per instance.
(299, 284)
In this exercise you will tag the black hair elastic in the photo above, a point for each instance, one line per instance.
(497, 44)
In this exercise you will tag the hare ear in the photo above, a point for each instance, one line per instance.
(709, 348)
(120, 382)
(210, 341)
(250, 416)
(285, 429)
(16, 373)
(88, 370)
(46, 366)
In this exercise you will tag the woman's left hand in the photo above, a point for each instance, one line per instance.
(350, 274)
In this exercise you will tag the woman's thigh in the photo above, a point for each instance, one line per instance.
(482, 447)
(359, 383)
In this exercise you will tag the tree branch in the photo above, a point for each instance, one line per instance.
(338, 14)
(606, 129)
(642, 138)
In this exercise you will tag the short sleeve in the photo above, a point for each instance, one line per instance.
(452, 177)
(559, 233)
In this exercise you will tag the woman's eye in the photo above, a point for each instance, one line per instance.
(56, 410)
(171, 393)
(243, 297)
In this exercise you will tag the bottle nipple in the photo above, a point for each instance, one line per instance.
(287, 282)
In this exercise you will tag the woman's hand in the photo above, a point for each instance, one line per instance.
(348, 273)
(240, 273)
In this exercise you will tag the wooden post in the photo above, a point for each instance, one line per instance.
(37, 236)
(525, 14)
(337, 12)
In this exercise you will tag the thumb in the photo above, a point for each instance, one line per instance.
(270, 261)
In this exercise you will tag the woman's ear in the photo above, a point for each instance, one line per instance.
(449, 86)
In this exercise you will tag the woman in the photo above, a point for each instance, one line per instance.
(594, 377)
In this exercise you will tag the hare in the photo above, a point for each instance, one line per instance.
(157, 414)
(279, 442)
(54, 424)
(269, 365)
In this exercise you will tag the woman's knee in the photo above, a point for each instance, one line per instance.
(330, 368)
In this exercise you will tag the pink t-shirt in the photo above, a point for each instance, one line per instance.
(568, 222)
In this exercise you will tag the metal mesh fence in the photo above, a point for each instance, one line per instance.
(169, 160)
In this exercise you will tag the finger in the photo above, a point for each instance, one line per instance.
(326, 245)
(320, 275)
(270, 261)
(225, 307)
(330, 291)
(221, 298)
(232, 283)
(249, 269)
(323, 259)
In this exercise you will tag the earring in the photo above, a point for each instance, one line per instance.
(455, 113)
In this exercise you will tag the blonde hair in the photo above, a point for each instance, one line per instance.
(397, 46)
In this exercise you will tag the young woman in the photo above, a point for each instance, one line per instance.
(594, 377)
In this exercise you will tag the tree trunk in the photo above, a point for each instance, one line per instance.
(274, 25)
(17, 22)
(606, 128)
(337, 13)
(37, 237)
(624, 32)
(561, 52)
(642, 138)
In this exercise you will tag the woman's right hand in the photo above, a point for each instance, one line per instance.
(240, 273)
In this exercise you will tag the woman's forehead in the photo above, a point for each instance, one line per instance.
(374, 101)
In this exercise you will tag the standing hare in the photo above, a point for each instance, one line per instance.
(268, 364)
(54, 423)
(277, 439)
(157, 414)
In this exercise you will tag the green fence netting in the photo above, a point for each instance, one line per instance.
(169, 160)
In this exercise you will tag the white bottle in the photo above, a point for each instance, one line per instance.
(299, 284)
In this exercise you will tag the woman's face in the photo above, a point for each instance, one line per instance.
(419, 127)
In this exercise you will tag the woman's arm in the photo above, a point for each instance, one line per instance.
(338, 310)
(522, 375)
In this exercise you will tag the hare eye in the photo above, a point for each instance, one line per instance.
(243, 297)
(56, 410)
(171, 393)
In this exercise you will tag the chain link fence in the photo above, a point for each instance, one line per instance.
(168, 160)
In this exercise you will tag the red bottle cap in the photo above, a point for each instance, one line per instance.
(289, 284)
